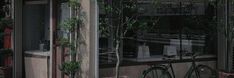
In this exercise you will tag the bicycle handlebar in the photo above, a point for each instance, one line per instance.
(195, 55)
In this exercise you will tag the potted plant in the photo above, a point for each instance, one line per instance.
(6, 26)
(6, 68)
(6, 52)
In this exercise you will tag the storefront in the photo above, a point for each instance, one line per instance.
(154, 29)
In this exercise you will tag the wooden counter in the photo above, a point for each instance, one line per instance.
(37, 64)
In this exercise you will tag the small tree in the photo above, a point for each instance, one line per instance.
(122, 16)
(114, 10)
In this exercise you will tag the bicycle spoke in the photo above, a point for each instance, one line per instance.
(202, 71)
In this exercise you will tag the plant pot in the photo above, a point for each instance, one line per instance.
(5, 57)
(5, 60)
(5, 72)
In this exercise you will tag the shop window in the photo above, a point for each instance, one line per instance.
(181, 27)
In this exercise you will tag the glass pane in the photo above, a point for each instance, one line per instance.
(161, 27)
(36, 27)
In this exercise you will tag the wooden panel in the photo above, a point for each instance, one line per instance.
(36, 67)
(59, 61)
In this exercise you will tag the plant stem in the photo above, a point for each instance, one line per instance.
(118, 58)
(71, 75)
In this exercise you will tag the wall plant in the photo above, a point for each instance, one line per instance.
(69, 39)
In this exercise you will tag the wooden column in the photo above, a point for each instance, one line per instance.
(53, 24)
(94, 56)
(18, 53)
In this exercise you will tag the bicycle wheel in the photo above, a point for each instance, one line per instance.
(156, 72)
(202, 71)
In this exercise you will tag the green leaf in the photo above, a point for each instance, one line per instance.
(64, 42)
(6, 51)
(74, 3)
(70, 67)
(6, 22)
(70, 24)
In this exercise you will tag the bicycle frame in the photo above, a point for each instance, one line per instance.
(169, 66)
(191, 68)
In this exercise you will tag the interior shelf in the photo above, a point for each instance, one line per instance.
(36, 2)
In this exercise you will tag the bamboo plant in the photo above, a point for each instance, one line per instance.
(70, 40)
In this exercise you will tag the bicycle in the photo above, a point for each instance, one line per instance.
(195, 71)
